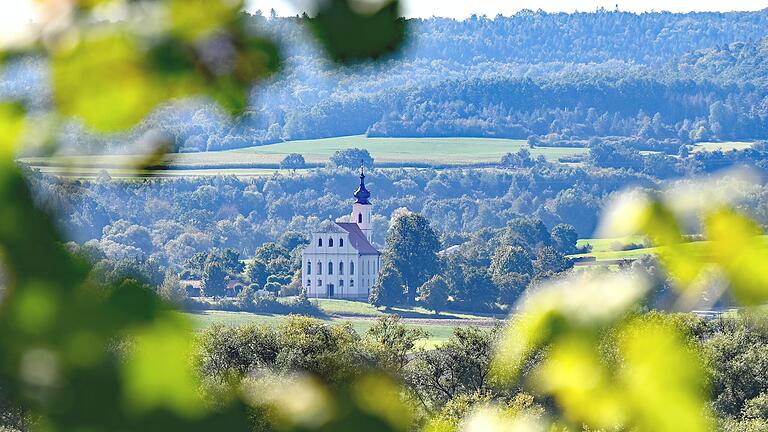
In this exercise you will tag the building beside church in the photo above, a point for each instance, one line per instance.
(340, 260)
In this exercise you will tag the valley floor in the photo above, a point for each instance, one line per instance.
(361, 317)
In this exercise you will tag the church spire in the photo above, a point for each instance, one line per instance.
(362, 193)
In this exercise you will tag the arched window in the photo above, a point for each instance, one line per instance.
(351, 282)
(309, 268)
(309, 283)
(359, 218)
(341, 282)
(341, 242)
(319, 282)
(330, 242)
(320, 242)
(330, 268)
(351, 267)
(341, 268)
(319, 268)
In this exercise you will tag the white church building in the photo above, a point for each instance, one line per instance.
(340, 260)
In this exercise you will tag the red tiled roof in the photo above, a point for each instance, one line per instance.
(357, 239)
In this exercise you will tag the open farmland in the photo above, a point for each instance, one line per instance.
(436, 151)
(360, 316)
(610, 250)
(265, 160)
(722, 146)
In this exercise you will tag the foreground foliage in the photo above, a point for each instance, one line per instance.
(77, 354)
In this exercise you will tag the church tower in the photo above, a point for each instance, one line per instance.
(361, 209)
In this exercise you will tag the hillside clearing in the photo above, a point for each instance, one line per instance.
(411, 150)
(360, 316)
(264, 160)
(439, 330)
(609, 249)
(722, 146)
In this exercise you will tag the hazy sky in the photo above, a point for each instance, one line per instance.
(464, 8)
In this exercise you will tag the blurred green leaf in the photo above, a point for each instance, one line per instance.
(156, 372)
(640, 213)
(372, 402)
(741, 251)
(574, 373)
(662, 227)
(59, 337)
(11, 127)
(111, 79)
(90, 4)
(104, 81)
(355, 30)
(196, 19)
(563, 306)
(651, 373)
(663, 378)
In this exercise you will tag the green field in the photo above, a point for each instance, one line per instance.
(259, 161)
(91, 172)
(439, 332)
(362, 309)
(723, 146)
(409, 150)
(607, 250)
(360, 315)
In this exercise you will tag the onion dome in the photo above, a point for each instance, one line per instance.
(362, 193)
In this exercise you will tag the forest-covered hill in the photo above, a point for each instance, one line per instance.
(558, 77)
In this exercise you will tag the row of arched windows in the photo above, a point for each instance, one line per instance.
(340, 267)
(320, 283)
(330, 242)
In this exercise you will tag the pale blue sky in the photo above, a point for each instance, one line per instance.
(463, 8)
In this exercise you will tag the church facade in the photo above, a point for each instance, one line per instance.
(340, 260)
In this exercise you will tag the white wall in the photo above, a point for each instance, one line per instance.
(351, 286)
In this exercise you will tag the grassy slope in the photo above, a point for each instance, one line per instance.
(400, 150)
(439, 333)
(384, 150)
(360, 315)
(724, 146)
(604, 249)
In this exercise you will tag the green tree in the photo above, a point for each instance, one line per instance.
(214, 280)
(411, 248)
(511, 270)
(290, 240)
(256, 272)
(269, 252)
(293, 162)
(511, 259)
(564, 237)
(433, 294)
(461, 366)
(387, 291)
(246, 295)
(511, 286)
(352, 158)
(479, 289)
(549, 260)
(528, 232)
(272, 286)
(230, 261)
(391, 343)
(172, 291)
